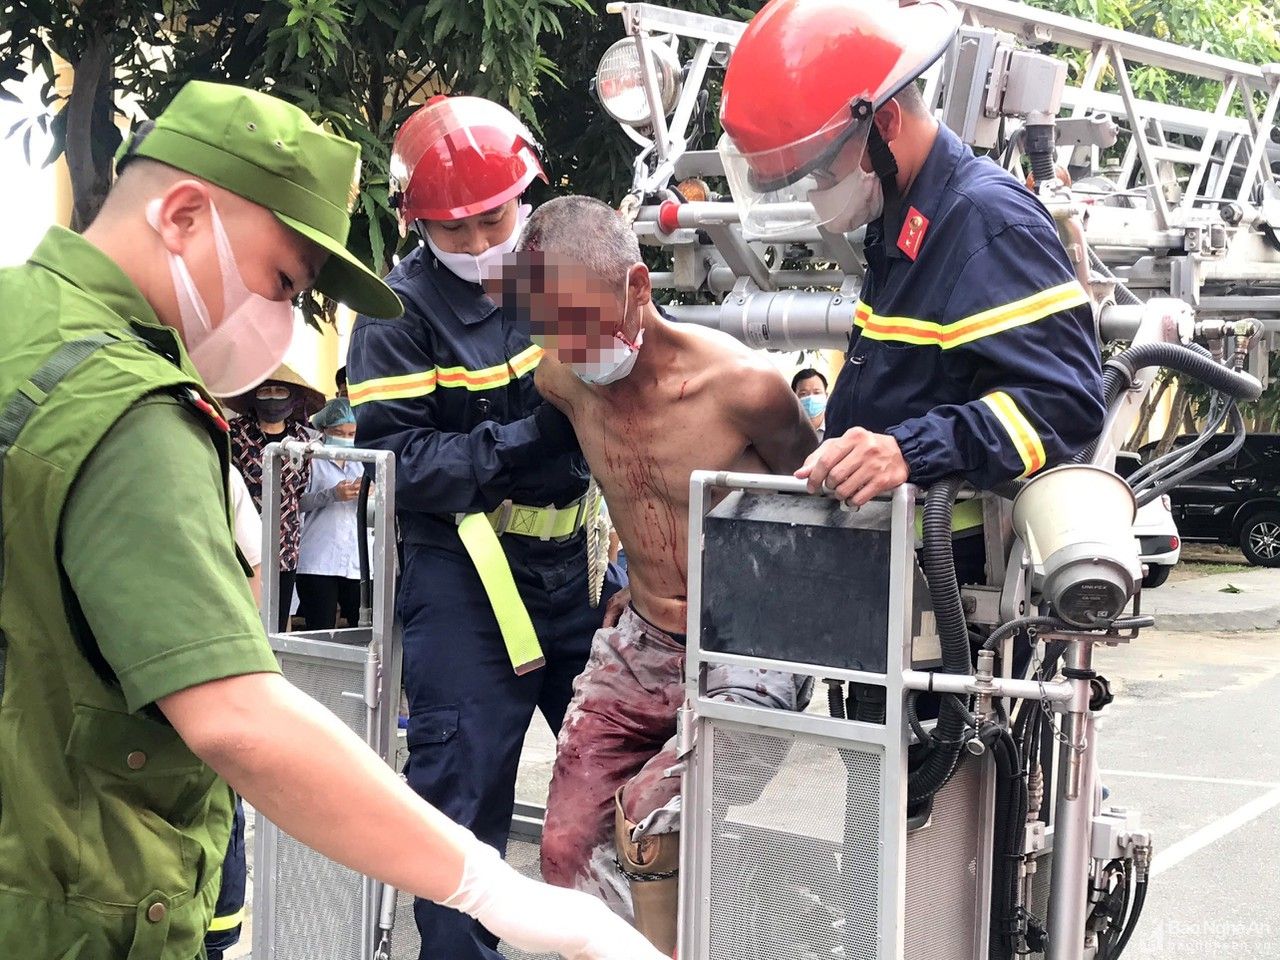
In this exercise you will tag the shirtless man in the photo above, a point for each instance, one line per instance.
(650, 401)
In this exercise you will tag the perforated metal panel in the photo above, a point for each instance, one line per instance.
(318, 902)
(305, 906)
(311, 907)
(945, 859)
(794, 848)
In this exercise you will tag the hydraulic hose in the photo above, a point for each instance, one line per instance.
(1170, 462)
(1004, 631)
(1010, 822)
(1135, 913)
(1164, 486)
(939, 566)
(1178, 459)
(1174, 356)
(1119, 372)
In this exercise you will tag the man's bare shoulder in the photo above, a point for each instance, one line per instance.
(726, 354)
(750, 383)
(558, 384)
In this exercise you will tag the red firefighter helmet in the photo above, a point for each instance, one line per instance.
(806, 77)
(459, 156)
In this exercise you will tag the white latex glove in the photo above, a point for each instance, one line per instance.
(539, 918)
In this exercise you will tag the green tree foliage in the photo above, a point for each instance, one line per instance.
(1247, 30)
(358, 65)
(586, 151)
(362, 65)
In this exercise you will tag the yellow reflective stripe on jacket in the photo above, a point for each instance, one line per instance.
(403, 387)
(409, 385)
(490, 377)
(229, 922)
(1025, 439)
(984, 324)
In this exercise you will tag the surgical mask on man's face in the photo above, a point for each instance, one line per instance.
(473, 269)
(251, 338)
(334, 440)
(617, 359)
(814, 404)
(850, 203)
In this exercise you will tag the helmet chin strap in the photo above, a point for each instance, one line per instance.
(884, 165)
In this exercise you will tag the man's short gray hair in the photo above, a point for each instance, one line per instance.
(586, 231)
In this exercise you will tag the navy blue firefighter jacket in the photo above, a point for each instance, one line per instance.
(448, 388)
(974, 343)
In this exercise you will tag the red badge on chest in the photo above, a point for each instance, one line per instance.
(913, 230)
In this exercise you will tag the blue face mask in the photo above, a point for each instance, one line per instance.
(814, 404)
(339, 441)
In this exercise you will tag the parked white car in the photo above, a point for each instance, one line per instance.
(1158, 540)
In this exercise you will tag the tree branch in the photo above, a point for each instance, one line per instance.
(90, 178)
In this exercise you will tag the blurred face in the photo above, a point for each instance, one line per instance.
(345, 430)
(573, 313)
(476, 234)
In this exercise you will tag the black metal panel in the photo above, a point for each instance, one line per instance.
(796, 578)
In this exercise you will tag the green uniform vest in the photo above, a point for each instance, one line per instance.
(112, 833)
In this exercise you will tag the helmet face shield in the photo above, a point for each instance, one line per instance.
(771, 187)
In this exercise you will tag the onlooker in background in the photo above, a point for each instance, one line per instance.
(811, 387)
(273, 412)
(328, 558)
(340, 381)
(248, 529)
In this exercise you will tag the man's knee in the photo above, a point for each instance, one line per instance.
(650, 863)
(565, 849)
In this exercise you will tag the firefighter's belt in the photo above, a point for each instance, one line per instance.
(966, 516)
(545, 523)
(479, 533)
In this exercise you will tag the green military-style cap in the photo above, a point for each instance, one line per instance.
(271, 153)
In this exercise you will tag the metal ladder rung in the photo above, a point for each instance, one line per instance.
(1175, 154)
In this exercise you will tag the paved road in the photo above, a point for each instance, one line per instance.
(1191, 741)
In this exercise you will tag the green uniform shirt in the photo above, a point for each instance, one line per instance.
(121, 585)
(149, 556)
(146, 544)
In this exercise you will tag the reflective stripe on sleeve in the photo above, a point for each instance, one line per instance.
(229, 922)
(490, 377)
(409, 385)
(402, 387)
(984, 324)
(1025, 439)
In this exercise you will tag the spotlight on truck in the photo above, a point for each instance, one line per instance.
(619, 80)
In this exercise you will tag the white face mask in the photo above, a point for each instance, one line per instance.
(473, 269)
(617, 360)
(856, 200)
(252, 337)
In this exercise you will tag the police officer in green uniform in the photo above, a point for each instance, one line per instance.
(136, 686)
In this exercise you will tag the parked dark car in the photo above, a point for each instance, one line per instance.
(1237, 502)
